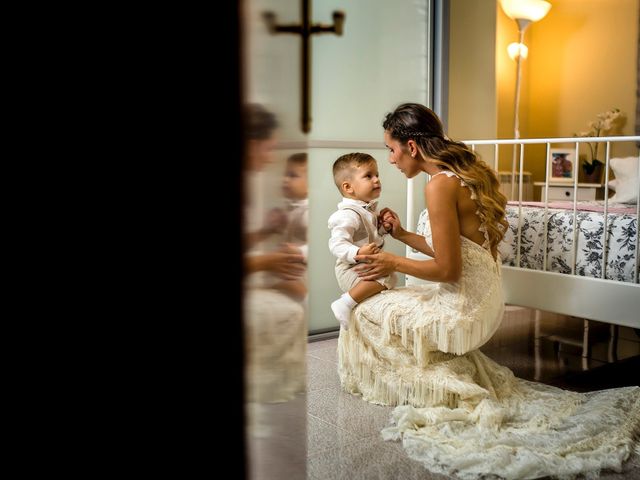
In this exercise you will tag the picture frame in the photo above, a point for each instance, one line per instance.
(561, 165)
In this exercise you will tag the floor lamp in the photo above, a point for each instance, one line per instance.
(524, 12)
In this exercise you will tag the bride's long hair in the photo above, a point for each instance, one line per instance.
(412, 121)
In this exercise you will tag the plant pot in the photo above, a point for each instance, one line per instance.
(592, 173)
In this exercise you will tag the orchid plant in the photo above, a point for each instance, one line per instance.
(604, 122)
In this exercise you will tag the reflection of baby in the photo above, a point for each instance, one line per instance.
(295, 190)
(292, 222)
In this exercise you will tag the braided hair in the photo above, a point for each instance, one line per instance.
(412, 121)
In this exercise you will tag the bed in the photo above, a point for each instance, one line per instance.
(555, 250)
(590, 272)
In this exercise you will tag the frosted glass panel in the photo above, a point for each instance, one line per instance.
(379, 62)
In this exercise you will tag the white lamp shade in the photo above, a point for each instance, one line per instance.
(516, 50)
(532, 10)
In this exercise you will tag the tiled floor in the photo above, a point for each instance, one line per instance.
(343, 431)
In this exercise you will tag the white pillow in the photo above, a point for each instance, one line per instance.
(627, 183)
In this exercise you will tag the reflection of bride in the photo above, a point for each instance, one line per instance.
(274, 324)
(416, 347)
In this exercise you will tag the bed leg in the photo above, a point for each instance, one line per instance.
(613, 343)
(586, 348)
(536, 344)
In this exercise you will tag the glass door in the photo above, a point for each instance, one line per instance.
(274, 309)
(382, 59)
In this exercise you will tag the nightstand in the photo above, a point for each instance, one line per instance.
(564, 191)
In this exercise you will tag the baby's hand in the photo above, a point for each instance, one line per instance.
(391, 222)
(383, 224)
(369, 249)
(387, 216)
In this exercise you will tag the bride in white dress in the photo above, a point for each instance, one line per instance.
(458, 412)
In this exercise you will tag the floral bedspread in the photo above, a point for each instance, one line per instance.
(621, 241)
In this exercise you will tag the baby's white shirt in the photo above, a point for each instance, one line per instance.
(348, 233)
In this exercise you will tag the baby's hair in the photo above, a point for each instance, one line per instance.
(344, 166)
(298, 159)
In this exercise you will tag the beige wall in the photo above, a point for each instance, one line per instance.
(582, 61)
(472, 77)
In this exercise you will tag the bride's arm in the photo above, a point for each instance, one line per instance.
(447, 265)
(390, 220)
(417, 242)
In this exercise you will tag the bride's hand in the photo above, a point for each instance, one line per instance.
(375, 266)
(391, 222)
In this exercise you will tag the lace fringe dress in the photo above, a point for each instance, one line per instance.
(459, 412)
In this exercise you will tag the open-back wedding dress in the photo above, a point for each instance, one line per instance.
(460, 413)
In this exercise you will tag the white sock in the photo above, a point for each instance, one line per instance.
(342, 309)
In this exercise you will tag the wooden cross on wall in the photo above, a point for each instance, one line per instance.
(305, 30)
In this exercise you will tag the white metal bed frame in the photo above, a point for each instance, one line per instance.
(608, 301)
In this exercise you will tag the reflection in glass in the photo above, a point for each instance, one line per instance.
(274, 301)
